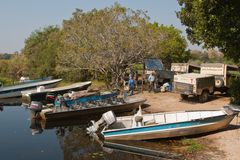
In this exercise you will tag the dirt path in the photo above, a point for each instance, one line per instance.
(226, 141)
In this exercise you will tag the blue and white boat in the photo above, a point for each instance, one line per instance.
(168, 124)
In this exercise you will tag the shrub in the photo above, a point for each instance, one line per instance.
(235, 91)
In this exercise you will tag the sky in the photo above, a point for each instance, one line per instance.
(19, 18)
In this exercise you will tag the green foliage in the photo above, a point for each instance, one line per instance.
(192, 145)
(41, 49)
(5, 81)
(5, 56)
(13, 68)
(213, 23)
(172, 48)
(235, 91)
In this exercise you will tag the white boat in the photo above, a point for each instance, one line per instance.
(168, 124)
(15, 90)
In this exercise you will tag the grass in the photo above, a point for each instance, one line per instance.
(98, 85)
(192, 146)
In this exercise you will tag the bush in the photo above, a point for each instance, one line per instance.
(235, 91)
(6, 81)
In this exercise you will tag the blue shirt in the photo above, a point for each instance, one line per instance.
(131, 83)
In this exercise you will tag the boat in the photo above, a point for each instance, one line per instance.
(40, 95)
(27, 80)
(91, 106)
(166, 124)
(15, 90)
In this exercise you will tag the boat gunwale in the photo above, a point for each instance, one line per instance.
(75, 85)
(15, 88)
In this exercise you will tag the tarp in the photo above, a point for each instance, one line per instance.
(153, 64)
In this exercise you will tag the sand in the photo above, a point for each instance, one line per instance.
(226, 141)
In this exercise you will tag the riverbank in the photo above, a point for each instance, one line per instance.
(223, 144)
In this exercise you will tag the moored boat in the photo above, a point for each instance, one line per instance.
(15, 90)
(168, 124)
(36, 95)
(91, 106)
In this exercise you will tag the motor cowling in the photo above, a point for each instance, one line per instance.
(36, 106)
(107, 119)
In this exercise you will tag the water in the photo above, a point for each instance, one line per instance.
(24, 139)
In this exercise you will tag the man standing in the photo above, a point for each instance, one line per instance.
(131, 85)
(151, 80)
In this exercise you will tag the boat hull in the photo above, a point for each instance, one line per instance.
(16, 92)
(171, 130)
(92, 112)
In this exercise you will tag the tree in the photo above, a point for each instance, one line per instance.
(17, 66)
(41, 49)
(173, 47)
(106, 41)
(110, 40)
(213, 23)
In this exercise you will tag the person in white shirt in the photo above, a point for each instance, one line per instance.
(151, 80)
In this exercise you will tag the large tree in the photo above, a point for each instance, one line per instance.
(107, 41)
(40, 50)
(213, 23)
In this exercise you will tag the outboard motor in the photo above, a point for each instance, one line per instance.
(35, 108)
(107, 119)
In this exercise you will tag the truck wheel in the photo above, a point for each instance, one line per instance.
(204, 96)
(184, 96)
(218, 82)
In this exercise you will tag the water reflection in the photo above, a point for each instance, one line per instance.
(36, 127)
(76, 144)
(11, 102)
(1, 108)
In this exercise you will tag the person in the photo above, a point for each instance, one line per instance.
(131, 74)
(151, 79)
(131, 85)
(136, 79)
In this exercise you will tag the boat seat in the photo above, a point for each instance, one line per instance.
(159, 118)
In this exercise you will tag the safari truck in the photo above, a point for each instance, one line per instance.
(180, 68)
(222, 73)
(199, 85)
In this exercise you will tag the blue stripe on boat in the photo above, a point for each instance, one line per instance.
(163, 126)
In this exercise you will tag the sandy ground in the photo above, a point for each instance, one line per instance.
(226, 141)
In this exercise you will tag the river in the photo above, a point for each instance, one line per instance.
(23, 138)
